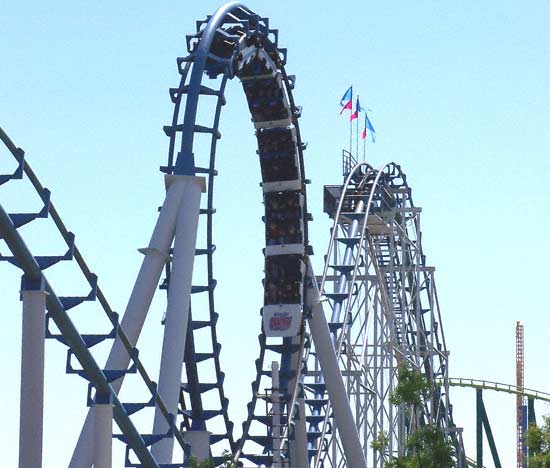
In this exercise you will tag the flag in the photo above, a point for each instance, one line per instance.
(346, 100)
(368, 125)
(358, 109)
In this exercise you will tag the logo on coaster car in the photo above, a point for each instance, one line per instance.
(280, 323)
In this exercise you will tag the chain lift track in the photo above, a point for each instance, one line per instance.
(384, 311)
(382, 307)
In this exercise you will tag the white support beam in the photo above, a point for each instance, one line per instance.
(103, 432)
(32, 374)
(276, 419)
(177, 312)
(298, 445)
(156, 256)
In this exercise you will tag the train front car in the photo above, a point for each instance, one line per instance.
(283, 188)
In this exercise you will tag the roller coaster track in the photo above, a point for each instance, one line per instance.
(382, 310)
(235, 42)
(487, 385)
(78, 343)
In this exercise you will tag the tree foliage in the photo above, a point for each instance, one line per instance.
(412, 387)
(537, 440)
(426, 446)
(209, 463)
(195, 463)
(381, 442)
(429, 448)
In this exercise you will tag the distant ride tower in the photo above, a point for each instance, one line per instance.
(521, 420)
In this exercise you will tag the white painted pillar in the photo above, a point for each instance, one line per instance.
(276, 419)
(343, 416)
(298, 446)
(103, 433)
(200, 444)
(177, 312)
(156, 256)
(32, 375)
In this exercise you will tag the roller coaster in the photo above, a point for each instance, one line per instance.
(330, 344)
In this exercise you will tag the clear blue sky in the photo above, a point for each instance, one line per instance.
(460, 98)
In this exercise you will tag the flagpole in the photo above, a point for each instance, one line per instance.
(350, 130)
(364, 147)
(347, 100)
(350, 122)
(357, 134)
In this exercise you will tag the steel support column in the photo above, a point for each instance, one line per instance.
(199, 443)
(479, 428)
(33, 296)
(177, 312)
(483, 423)
(490, 438)
(531, 417)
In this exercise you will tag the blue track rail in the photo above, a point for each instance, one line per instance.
(235, 42)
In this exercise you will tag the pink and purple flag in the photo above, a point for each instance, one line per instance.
(346, 101)
(358, 109)
(368, 126)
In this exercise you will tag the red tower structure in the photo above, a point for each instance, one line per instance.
(519, 397)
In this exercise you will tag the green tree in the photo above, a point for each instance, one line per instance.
(195, 463)
(412, 387)
(426, 446)
(381, 442)
(537, 440)
(209, 463)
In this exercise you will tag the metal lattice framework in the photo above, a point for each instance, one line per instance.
(329, 381)
(384, 311)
